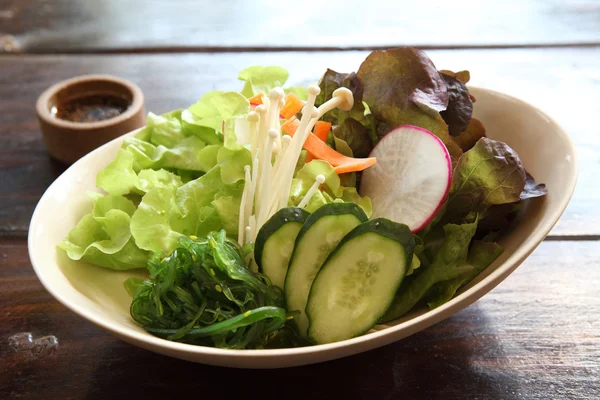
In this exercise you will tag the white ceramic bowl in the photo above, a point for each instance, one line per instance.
(97, 294)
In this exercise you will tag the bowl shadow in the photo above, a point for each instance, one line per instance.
(456, 358)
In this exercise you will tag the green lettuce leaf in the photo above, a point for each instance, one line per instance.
(132, 285)
(350, 195)
(153, 224)
(342, 147)
(499, 219)
(308, 174)
(165, 143)
(103, 237)
(416, 262)
(350, 180)
(491, 173)
(104, 204)
(158, 222)
(164, 130)
(481, 255)
(432, 240)
(227, 205)
(165, 214)
(189, 154)
(402, 86)
(297, 191)
(450, 262)
(330, 191)
(193, 197)
(150, 179)
(192, 126)
(355, 135)
(232, 163)
(259, 79)
(119, 177)
(196, 208)
(216, 107)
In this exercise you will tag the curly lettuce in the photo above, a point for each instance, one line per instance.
(103, 237)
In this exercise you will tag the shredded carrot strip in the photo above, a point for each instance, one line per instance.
(290, 126)
(342, 163)
(321, 130)
(292, 105)
(256, 99)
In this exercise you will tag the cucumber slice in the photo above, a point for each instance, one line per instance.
(275, 243)
(359, 280)
(321, 233)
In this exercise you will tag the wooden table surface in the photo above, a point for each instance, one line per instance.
(536, 336)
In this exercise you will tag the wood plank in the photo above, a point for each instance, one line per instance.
(111, 25)
(563, 82)
(535, 336)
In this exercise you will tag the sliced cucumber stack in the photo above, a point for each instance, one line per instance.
(320, 234)
(358, 281)
(275, 243)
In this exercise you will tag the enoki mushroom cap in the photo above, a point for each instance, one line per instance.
(345, 97)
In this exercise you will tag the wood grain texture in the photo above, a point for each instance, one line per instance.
(126, 25)
(535, 336)
(565, 83)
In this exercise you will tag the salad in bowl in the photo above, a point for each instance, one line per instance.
(280, 216)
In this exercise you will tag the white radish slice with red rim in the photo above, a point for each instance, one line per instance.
(411, 179)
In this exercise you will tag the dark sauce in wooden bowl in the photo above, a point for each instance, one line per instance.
(91, 108)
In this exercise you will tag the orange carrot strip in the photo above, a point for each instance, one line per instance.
(290, 126)
(292, 105)
(256, 99)
(320, 150)
(360, 165)
(342, 163)
(322, 129)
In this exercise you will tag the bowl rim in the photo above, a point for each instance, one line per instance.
(382, 336)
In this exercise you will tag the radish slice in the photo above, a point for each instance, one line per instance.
(411, 179)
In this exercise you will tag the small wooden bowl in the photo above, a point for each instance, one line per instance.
(68, 141)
